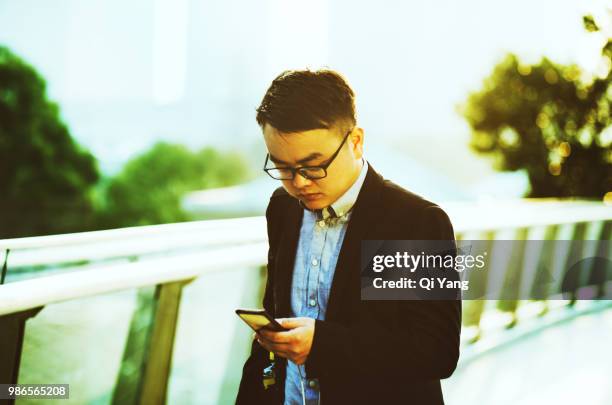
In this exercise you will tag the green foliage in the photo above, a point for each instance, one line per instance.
(545, 119)
(150, 187)
(589, 23)
(47, 180)
(45, 177)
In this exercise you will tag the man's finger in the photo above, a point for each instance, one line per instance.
(280, 350)
(276, 345)
(278, 337)
(291, 323)
(282, 353)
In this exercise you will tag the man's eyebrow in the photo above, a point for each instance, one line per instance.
(308, 158)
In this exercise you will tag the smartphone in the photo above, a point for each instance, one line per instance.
(258, 319)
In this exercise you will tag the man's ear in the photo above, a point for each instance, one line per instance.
(356, 139)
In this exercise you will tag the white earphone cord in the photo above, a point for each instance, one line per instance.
(304, 390)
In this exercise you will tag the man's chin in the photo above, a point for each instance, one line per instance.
(316, 204)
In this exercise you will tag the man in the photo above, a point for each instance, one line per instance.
(339, 349)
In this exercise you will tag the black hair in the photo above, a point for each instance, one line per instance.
(301, 100)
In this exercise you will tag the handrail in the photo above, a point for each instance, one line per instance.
(524, 212)
(496, 215)
(172, 238)
(111, 235)
(118, 277)
(133, 242)
(249, 247)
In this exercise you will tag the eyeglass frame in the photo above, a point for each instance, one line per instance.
(295, 170)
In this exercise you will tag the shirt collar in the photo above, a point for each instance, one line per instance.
(346, 201)
(344, 204)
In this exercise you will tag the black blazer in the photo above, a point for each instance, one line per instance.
(364, 352)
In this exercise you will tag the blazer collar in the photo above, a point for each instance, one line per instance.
(286, 257)
(365, 215)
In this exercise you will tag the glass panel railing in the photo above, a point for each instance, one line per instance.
(81, 343)
(212, 343)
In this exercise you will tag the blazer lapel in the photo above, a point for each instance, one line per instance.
(365, 214)
(292, 222)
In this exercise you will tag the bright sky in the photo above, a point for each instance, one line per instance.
(410, 62)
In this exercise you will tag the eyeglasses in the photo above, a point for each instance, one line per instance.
(308, 172)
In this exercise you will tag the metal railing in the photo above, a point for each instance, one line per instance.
(45, 270)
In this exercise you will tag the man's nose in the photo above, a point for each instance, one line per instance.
(300, 181)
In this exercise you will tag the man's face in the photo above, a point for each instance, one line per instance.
(314, 148)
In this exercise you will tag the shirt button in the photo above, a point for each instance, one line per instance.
(321, 224)
(312, 383)
(313, 302)
(315, 262)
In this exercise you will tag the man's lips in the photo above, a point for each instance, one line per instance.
(310, 196)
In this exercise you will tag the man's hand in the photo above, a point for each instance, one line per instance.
(293, 344)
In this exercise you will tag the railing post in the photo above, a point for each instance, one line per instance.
(159, 359)
(571, 274)
(541, 288)
(11, 344)
(509, 295)
(602, 271)
(474, 308)
(147, 358)
(4, 267)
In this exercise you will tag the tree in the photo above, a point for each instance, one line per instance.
(547, 119)
(150, 187)
(45, 177)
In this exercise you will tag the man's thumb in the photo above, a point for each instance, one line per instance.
(289, 323)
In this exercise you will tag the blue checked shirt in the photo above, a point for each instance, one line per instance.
(321, 237)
